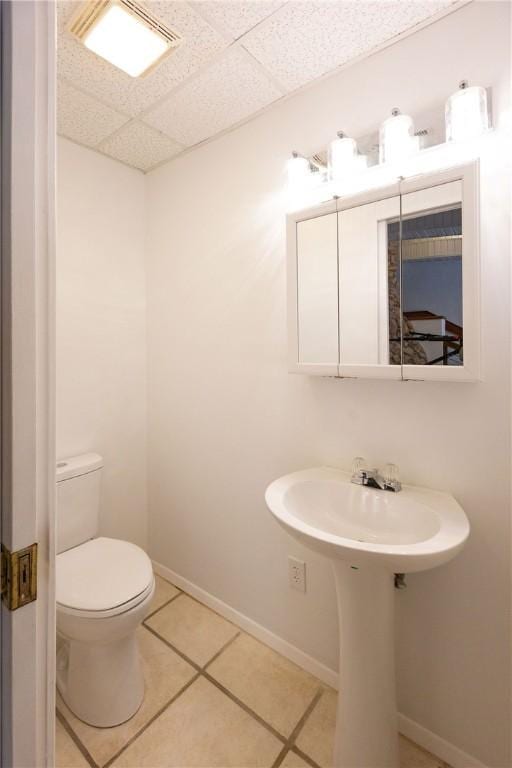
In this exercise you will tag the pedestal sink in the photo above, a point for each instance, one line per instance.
(369, 535)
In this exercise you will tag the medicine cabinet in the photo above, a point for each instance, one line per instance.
(385, 284)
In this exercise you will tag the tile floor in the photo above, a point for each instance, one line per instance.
(215, 698)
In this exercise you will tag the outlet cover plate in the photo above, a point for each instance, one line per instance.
(297, 574)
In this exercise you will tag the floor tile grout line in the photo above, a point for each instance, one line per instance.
(191, 597)
(290, 742)
(212, 610)
(221, 688)
(287, 742)
(74, 738)
(173, 648)
(164, 605)
(151, 720)
(303, 756)
(305, 717)
(224, 647)
(281, 756)
(245, 707)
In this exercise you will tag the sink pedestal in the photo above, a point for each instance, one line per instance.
(366, 725)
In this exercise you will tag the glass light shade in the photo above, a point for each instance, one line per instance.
(300, 181)
(299, 172)
(120, 38)
(342, 152)
(344, 160)
(466, 114)
(396, 139)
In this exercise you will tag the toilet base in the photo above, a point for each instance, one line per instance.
(103, 685)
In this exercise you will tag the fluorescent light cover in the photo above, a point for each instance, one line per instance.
(124, 41)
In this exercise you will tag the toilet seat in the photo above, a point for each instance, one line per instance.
(105, 614)
(102, 577)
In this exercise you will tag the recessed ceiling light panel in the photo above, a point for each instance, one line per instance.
(125, 34)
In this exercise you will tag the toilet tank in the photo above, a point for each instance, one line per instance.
(78, 499)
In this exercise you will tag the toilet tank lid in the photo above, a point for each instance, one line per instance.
(78, 465)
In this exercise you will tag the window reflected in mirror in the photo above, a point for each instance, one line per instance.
(427, 312)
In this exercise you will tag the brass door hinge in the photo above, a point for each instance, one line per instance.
(19, 576)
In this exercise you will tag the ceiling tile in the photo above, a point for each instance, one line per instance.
(83, 118)
(234, 18)
(230, 90)
(130, 95)
(140, 145)
(304, 40)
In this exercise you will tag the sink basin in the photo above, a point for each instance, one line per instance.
(368, 535)
(412, 530)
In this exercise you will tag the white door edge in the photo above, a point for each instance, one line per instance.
(28, 379)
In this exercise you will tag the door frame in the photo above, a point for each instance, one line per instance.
(28, 372)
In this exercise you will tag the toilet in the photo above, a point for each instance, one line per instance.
(104, 588)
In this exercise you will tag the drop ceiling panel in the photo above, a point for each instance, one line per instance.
(140, 145)
(84, 119)
(304, 40)
(233, 18)
(237, 57)
(228, 91)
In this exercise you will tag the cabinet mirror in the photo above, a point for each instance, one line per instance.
(386, 284)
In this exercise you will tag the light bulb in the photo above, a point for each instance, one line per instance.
(396, 138)
(466, 113)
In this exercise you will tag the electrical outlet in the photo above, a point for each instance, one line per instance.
(297, 574)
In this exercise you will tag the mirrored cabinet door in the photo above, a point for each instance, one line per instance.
(317, 291)
(369, 289)
(433, 252)
(386, 284)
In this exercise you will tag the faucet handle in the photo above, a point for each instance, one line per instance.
(358, 465)
(390, 475)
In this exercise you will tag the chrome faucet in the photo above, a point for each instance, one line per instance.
(371, 478)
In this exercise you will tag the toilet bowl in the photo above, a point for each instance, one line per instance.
(104, 588)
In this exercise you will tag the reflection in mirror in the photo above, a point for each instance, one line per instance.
(432, 283)
(431, 268)
(399, 324)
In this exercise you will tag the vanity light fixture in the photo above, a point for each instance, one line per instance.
(125, 34)
(344, 160)
(403, 152)
(466, 113)
(396, 138)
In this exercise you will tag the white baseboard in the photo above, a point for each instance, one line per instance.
(413, 730)
(437, 745)
(289, 651)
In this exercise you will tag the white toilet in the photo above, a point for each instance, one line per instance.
(104, 588)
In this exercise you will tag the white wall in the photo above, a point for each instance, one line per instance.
(225, 417)
(101, 329)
